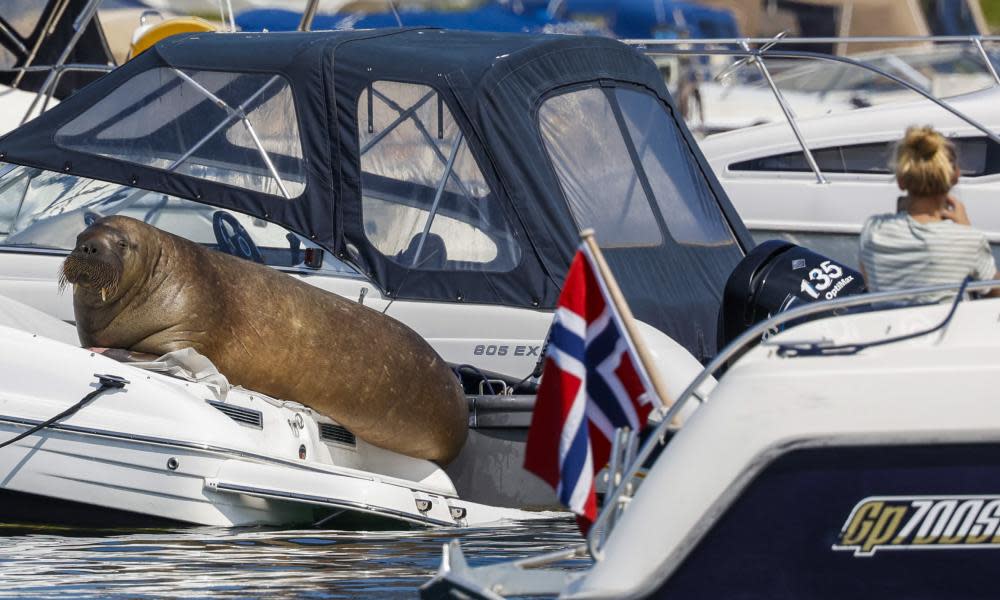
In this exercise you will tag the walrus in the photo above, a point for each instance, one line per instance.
(145, 290)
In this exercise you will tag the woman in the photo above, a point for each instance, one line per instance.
(930, 241)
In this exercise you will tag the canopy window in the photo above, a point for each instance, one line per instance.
(425, 202)
(690, 209)
(627, 170)
(607, 191)
(601, 186)
(239, 129)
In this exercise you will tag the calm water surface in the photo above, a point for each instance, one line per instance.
(213, 562)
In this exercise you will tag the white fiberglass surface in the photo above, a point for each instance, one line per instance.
(47, 210)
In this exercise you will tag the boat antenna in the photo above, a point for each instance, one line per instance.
(395, 12)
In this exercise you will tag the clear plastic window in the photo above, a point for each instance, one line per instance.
(687, 204)
(595, 172)
(239, 129)
(47, 209)
(425, 202)
(977, 156)
(861, 158)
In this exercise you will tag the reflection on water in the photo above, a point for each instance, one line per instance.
(45, 562)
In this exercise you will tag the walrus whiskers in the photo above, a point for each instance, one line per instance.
(99, 275)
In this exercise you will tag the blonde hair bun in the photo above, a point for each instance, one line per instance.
(925, 162)
(925, 141)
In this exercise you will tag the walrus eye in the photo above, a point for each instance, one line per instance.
(122, 244)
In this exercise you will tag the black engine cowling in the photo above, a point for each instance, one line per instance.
(775, 276)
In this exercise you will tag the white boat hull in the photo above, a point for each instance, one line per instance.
(168, 449)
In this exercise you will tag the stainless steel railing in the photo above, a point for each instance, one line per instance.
(756, 56)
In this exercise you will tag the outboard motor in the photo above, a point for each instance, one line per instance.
(775, 276)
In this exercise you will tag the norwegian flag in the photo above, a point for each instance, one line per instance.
(592, 383)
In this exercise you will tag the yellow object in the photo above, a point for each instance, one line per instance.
(148, 35)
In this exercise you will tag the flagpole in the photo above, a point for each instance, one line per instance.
(628, 321)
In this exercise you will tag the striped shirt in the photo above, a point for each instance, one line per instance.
(898, 252)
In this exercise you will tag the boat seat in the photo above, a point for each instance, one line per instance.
(434, 254)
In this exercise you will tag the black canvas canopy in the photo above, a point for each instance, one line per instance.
(445, 165)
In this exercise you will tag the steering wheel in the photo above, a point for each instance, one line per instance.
(233, 238)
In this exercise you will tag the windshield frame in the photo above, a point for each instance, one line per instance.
(114, 197)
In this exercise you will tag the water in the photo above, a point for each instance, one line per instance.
(216, 562)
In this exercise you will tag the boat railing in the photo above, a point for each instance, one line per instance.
(755, 51)
(616, 499)
(55, 71)
(45, 93)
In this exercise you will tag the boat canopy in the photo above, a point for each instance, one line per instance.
(444, 165)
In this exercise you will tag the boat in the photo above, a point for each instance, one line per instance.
(853, 455)
(942, 71)
(821, 89)
(178, 446)
(776, 192)
(214, 7)
(846, 447)
(822, 200)
(835, 20)
(48, 50)
(51, 48)
(900, 38)
(436, 195)
(637, 19)
(489, 15)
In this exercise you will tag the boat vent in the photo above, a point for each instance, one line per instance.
(335, 433)
(247, 416)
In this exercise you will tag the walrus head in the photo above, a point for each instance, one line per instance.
(98, 263)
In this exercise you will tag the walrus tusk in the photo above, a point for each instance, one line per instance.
(104, 294)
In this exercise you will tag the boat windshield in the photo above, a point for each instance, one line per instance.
(46, 210)
(942, 72)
